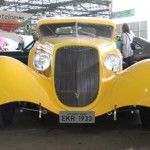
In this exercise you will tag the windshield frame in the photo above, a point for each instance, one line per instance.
(76, 33)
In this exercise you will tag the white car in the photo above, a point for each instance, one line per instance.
(10, 45)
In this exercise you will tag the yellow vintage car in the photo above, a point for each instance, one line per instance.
(75, 71)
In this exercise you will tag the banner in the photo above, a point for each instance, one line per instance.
(10, 21)
(28, 27)
(124, 13)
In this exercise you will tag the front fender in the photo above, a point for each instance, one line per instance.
(128, 88)
(134, 85)
(18, 82)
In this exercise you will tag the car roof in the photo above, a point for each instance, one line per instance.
(76, 19)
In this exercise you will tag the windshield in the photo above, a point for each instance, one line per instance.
(76, 29)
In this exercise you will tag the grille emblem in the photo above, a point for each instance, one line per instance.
(77, 95)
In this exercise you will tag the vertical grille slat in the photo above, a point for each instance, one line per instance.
(76, 75)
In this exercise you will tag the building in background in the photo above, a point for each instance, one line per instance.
(135, 13)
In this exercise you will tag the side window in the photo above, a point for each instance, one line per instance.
(138, 46)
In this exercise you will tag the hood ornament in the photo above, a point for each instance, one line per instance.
(77, 95)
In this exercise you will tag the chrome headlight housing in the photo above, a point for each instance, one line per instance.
(113, 63)
(47, 47)
(41, 61)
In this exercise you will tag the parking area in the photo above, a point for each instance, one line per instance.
(30, 133)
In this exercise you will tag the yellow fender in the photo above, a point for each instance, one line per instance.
(134, 85)
(18, 82)
(131, 87)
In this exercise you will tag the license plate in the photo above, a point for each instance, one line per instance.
(77, 117)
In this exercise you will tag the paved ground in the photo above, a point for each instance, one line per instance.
(30, 133)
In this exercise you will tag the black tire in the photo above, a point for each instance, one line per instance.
(145, 116)
(7, 112)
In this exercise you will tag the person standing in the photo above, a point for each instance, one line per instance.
(127, 38)
(20, 44)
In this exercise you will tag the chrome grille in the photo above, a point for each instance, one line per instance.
(76, 75)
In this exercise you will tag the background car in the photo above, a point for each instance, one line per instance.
(10, 45)
(141, 51)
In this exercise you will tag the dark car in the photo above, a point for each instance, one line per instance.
(141, 51)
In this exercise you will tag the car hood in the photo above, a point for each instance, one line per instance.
(88, 41)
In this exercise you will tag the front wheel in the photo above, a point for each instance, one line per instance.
(7, 112)
(145, 116)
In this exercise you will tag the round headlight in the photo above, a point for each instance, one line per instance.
(41, 61)
(113, 63)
